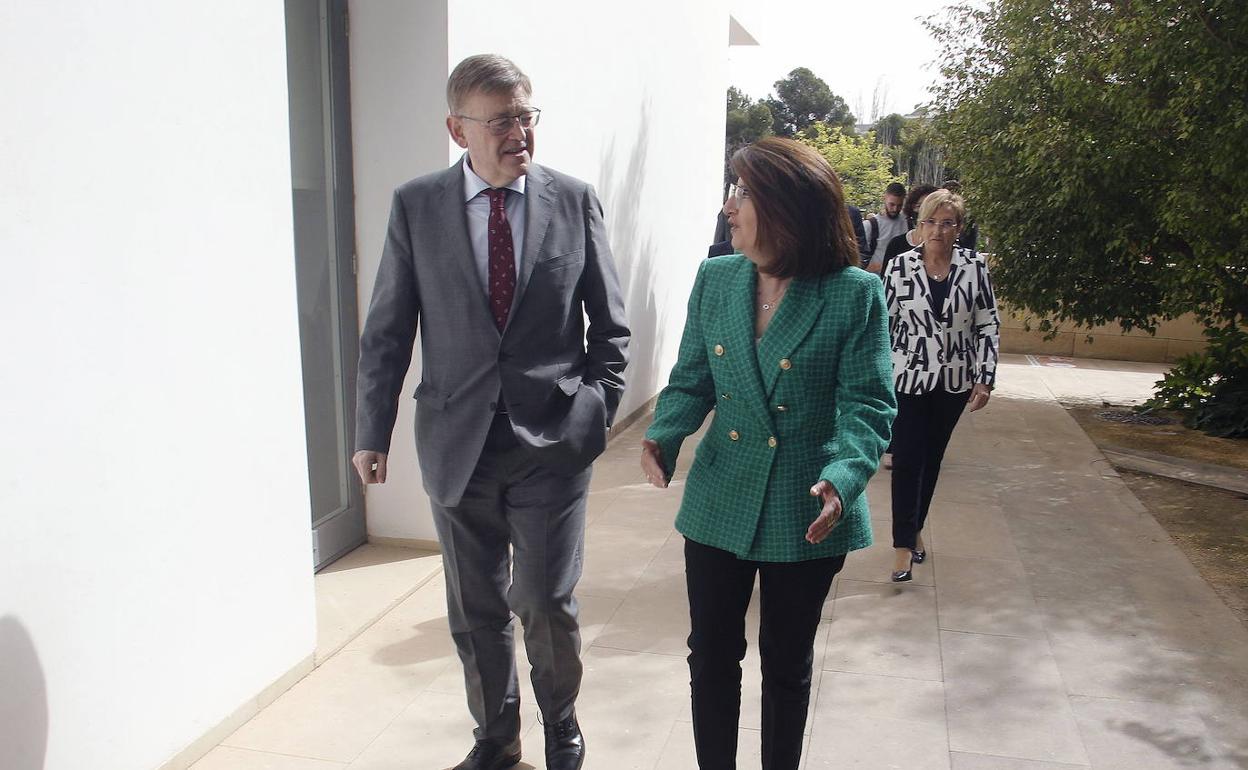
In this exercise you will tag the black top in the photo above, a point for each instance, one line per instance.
(860, 233)
(940, 292)
(897, 245)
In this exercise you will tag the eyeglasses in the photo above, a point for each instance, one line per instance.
(944, 224)
(500, 126)
(738, 191)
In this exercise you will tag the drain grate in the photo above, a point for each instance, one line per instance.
(1132, 418)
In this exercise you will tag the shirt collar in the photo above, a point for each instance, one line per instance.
(474, 185)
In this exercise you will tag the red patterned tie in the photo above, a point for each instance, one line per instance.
(502, 259)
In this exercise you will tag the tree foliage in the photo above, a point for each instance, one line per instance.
(802, 98)
(888, 129)
(747, 122)
(864, 167)
(1104, 144)
(917, 153)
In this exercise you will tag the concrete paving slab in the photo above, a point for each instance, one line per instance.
(884, 629)
(990, 596)
(1005, 696)
(964, 761)
(1128, 735)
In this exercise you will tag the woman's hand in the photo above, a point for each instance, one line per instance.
(829, 517)
(979, 397)
(652, 463)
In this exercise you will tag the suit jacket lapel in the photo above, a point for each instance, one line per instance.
(539, 207)
(794, 317)
(739, 339)
(456, 246)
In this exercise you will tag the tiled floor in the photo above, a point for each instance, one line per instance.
(1056, 626)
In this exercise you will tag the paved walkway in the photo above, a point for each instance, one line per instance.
(1055, 626)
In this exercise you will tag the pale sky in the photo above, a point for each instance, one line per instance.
(851, 46)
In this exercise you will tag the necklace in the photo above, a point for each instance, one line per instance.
(771, 303)
(934, 275)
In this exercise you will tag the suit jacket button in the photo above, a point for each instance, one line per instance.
(493, 406)
(732, 434)
(786, 363)
(781, 408)
(771, 442)
(726, 396)
(719, 350)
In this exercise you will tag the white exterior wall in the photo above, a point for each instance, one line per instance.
(398, 131)
(155, 564)
(632, 101)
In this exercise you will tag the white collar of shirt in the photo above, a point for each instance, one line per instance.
(473, 184)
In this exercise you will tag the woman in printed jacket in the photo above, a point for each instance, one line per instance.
(942, 318)
(788, 343)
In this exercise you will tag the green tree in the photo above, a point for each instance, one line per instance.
(888, 130)
(917, 154)
(1105, 146)
(747, 122)
(802, 98)
(864, 167)
(921, 154)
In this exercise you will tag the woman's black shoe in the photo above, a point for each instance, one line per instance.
(903, 575)
(918, 557)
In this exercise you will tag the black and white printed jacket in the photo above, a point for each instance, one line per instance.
(958, 347)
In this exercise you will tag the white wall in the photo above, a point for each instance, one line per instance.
(398, 131)
(155, 564)
(632, 101)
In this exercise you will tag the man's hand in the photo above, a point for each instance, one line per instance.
(979, 397)
(829, 517)
(652, 463)
(371, 466)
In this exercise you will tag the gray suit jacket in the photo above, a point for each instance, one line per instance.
(561, 382)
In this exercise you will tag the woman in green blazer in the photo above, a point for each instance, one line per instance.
(788, 342)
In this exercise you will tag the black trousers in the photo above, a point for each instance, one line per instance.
(791, 596)
(920, 434)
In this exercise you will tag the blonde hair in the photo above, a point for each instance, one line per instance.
(939, 199)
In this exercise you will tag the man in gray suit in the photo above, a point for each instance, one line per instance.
(498, 261)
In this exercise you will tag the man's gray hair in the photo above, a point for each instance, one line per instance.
(486, 72)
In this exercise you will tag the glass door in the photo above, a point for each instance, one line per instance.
(320, 155)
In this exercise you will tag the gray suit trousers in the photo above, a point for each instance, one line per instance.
(512, 501)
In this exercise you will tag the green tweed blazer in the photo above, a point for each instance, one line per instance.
(813, 400)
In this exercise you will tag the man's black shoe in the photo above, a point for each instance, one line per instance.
(565, 746)
(488, 755)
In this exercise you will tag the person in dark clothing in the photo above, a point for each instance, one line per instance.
(914, 200)
(970, 231)
(855, 219)
(721, 229)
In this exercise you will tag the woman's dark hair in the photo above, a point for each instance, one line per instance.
(911, 207)
(800, 207)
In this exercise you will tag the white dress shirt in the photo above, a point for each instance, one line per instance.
(478, 211)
